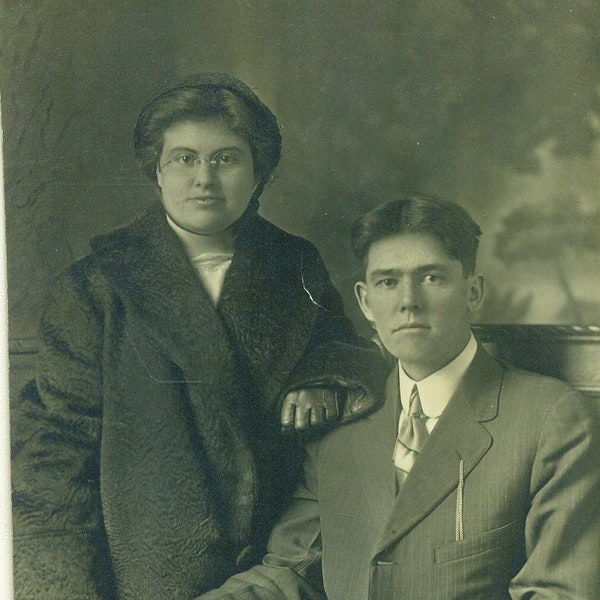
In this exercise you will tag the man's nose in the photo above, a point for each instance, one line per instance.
(410, 299)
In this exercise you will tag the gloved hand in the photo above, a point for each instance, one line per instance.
(312, 407)
(316, 407)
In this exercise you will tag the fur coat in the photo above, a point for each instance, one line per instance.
(148, 459)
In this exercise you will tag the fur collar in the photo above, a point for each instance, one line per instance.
(263, 296)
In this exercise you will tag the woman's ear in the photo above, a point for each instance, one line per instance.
(158, 175)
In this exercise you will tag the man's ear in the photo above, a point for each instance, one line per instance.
(475, 293)
(361, 293)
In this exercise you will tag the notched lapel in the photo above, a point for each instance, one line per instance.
(458, 435)
(374, 453)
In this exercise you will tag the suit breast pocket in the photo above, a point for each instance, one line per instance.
(496, 541)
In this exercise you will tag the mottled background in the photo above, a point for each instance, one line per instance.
(492, 103)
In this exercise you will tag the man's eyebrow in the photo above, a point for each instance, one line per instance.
(432, 267)
(418, 269)
(385, 272)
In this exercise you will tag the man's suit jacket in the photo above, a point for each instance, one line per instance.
(503, 502)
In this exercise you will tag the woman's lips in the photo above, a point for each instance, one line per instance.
(206, 199)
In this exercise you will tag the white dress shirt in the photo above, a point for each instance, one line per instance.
(436, 390)
(211, 267)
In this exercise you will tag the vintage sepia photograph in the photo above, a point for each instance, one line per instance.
(302, 299)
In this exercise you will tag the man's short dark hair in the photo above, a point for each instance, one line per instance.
(450, 223)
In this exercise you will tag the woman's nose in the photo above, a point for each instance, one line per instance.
(205, 173)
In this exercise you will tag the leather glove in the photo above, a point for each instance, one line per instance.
(317, 407)
(312, 407)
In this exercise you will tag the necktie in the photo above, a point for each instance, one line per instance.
(412, 435)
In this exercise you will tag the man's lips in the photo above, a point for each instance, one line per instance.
(409, 326)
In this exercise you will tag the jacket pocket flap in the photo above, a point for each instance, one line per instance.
(477, 544)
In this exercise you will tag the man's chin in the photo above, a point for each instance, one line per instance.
(407, 355)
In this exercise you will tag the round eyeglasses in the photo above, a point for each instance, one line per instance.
(187, 163)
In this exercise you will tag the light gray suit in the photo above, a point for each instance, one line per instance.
(528, 502)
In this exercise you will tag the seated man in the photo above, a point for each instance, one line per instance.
(475, 480)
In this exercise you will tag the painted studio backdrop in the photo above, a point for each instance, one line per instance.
(492, 103)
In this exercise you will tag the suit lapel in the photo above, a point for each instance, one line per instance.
(458, 435)
(373, 454)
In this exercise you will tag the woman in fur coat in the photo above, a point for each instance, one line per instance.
(149, 460)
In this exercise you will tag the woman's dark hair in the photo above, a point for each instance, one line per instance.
(204, 97)
(450, 223)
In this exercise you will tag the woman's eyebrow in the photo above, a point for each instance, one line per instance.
(177, 149)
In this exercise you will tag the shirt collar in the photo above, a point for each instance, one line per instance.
(436, 390)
